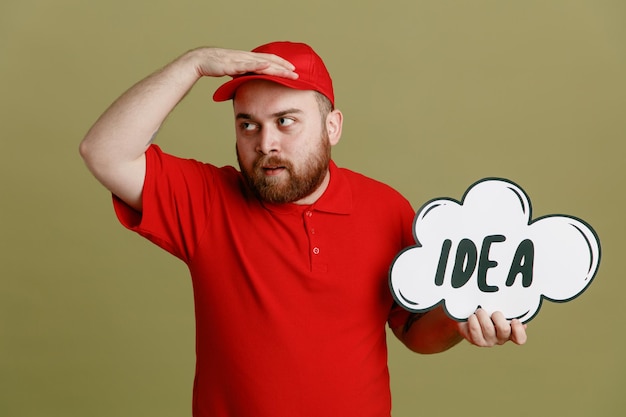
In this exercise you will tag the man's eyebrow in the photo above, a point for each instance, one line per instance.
(286, 112)
(281, 113)
(243, 116)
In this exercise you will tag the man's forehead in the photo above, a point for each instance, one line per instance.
(260, 96)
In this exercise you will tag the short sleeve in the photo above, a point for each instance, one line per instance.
(176, 201)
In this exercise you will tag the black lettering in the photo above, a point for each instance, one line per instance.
(485, 263)
(464, 263)
(443, 262)
(522, 264)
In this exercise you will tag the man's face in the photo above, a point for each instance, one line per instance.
(283, 146)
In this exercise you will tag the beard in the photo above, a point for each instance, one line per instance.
(300, 182)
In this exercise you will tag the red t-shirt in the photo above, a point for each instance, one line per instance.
(291, 301)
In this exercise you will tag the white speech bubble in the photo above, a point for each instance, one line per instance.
(486, 251)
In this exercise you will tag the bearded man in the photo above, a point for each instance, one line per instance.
(288, 255)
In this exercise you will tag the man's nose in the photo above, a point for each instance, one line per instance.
(268, 141)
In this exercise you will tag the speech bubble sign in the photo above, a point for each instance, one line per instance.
(486, 251)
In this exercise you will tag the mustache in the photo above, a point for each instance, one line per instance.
(271, 161)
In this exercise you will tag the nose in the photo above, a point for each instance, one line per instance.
(268, 141)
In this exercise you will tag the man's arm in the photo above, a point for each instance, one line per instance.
(114, 148)
(435, 332)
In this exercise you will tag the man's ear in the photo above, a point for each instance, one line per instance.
(334, 124)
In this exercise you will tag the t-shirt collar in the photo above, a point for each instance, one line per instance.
(338, 196)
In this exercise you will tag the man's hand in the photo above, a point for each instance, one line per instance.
(217, 62)
(486, 331)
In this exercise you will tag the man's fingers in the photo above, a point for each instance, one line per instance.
(266, 64)
(484, 330)
(518, 332)
(278, 61)
(217, 62)
(488, 329)
(502, 328)
(475, 331)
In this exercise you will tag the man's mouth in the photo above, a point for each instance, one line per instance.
(273, 169)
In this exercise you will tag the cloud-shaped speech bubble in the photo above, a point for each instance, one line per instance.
(487, 251)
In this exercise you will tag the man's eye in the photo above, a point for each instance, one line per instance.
(285, 121)
(248, 126)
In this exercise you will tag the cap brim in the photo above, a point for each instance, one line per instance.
(227, 90)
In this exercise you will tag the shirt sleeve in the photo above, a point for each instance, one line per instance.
(176, 200)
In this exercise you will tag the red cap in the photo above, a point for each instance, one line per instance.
(312, 73)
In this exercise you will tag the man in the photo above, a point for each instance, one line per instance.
(288, 257)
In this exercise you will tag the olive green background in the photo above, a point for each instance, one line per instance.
(95, 321)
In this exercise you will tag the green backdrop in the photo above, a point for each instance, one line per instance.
(94, 321)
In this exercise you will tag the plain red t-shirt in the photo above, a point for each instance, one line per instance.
(291, 301)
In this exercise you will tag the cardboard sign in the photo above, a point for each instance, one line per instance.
(487, 251)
